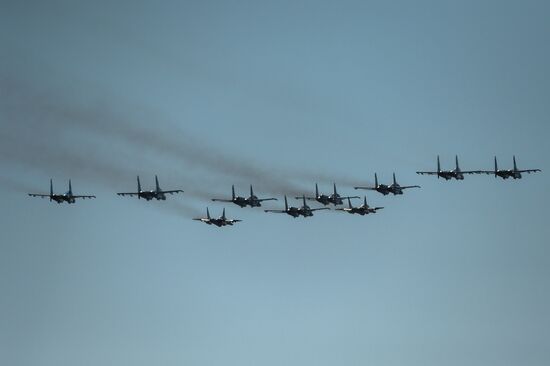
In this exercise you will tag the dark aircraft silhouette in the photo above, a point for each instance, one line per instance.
(333, 198)
(362, 210)
(304, 211)
(219, 222)
(385, 189)
(68, 197)
(157, 193)
(252, 200)
(509, 173)
(450, 174)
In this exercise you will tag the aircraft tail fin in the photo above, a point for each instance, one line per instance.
(139, 187)
(456, 162)
(51, 189)
(365, 201)
(251, 191)
(157, 183)
(349, 202)
(394, 181)
(207, 213)
(223, 214)
(496, 166)
(316, 190)
(334, 186)
(233, 192)
(286, 204)
(515, 166)
(304, 199)
(375, 180)
(438, 165)
(70, 187)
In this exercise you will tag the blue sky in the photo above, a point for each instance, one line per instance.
(286, 94)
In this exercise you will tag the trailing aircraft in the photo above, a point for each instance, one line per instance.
(509, 173)
(362, 210)
(252, 200)
(68, 197)
(333, 198)
(157, 193)
(219, 222)
(385, 189)
(304, 211)
(450, 174)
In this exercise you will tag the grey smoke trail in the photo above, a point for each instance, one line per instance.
(43, 112)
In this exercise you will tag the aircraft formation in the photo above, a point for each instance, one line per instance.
(304, 210)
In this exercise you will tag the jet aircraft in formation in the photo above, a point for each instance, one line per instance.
(219, 222)
(304, 211)
(509, 173)
(362, 210)
(157, 193)
(252, 200)
(68, 197)
(325, 199)
(385, 189)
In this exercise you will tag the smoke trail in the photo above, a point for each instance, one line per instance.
(42, 113)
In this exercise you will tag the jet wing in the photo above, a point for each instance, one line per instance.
(472, 171)
(221, 200)
(128, 194)
(276, 211)
(529, 171)
(377, 208)
(405, 187)
(84, 197)
(428, 173)
(38, 195)
(321, 208)
(349, 197)
(367, 188)
(486, 172)
(202, 219)
(267, 199)
(175, 191)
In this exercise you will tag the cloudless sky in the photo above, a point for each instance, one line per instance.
(453, 273)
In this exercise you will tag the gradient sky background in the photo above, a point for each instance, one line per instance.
(454, 273)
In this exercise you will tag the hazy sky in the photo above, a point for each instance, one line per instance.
(280, 95)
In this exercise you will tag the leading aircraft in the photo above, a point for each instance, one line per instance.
(68, 197)
(362, 210)
(252, 200)
(219, 222)
(157, 193)
(304, 211)
(385, 189)
(333, 198)
(450, 174)
(509, 173)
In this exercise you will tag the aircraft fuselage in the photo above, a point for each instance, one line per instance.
(149, 195)
(505, 174)
(450, 174)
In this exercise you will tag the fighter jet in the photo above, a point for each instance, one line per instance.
(450, 174)
(157, 193)
(219, 222)
(385, 189)
(334, 198)
(252, 200)
(362, 210)
(509, 173)
(68, 197)
(304, 211)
